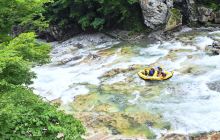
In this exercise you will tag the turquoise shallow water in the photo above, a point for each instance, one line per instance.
(185, 100)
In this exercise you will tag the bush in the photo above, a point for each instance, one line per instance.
(95, 14)
(26, 13)
(26, 46)
(24, 115)
(214, 4)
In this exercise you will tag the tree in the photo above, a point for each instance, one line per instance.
(94, 14)
(26, 46)
(17, 57)
(24, 115)
(26, 13)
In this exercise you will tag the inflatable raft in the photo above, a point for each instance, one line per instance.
(143, 74)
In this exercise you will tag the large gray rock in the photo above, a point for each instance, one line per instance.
(205, 14)
(169, 3)
(155, 12)
(192, 10)
(217, 17)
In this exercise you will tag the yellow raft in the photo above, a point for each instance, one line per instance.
(142, 75)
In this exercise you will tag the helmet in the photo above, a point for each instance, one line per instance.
(159, 68)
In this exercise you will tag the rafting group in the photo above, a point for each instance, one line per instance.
(155, 74)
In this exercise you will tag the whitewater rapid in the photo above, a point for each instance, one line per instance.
(185, 100)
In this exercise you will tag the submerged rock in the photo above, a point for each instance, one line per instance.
(120, 123)
(214, 86)
(56, 102)
(174, 137)
(114, 72)
(107, 108)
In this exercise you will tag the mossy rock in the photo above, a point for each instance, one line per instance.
(175, 19)
(85, 102)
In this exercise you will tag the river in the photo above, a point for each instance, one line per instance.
(94, 77)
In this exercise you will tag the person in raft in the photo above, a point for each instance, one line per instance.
(160, 72)
(151, 72)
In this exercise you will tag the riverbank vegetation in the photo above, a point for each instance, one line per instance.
(22, 113)
(213, 4)
(95, 14)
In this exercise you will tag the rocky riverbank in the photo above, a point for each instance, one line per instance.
(199, 136)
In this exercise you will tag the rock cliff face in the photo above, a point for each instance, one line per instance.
(191, 9)
(169, 14)
(155, 12)
(161, 14)
(208, 15)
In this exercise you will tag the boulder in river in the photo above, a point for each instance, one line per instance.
(213, 49)
(214, 86)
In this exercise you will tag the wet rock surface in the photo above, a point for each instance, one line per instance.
(199, 136)
(214, 86)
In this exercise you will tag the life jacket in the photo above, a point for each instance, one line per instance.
(151, 72)
(164, 74)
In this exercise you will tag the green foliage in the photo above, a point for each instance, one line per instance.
(98, 23)
(16, 57)
(24, 115)
(27, 13)
(4, 37)
(26, 46)
(95, 14)
(15, 70)
(214, 4)
(175, 19)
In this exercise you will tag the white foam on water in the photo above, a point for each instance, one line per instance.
(203, 41)
(215, 32)
(186, 102)
(55, 82)
(209, 61)
(136, 97)
(153, 50)
(118, 78)
(191, 107)
(175, 45)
